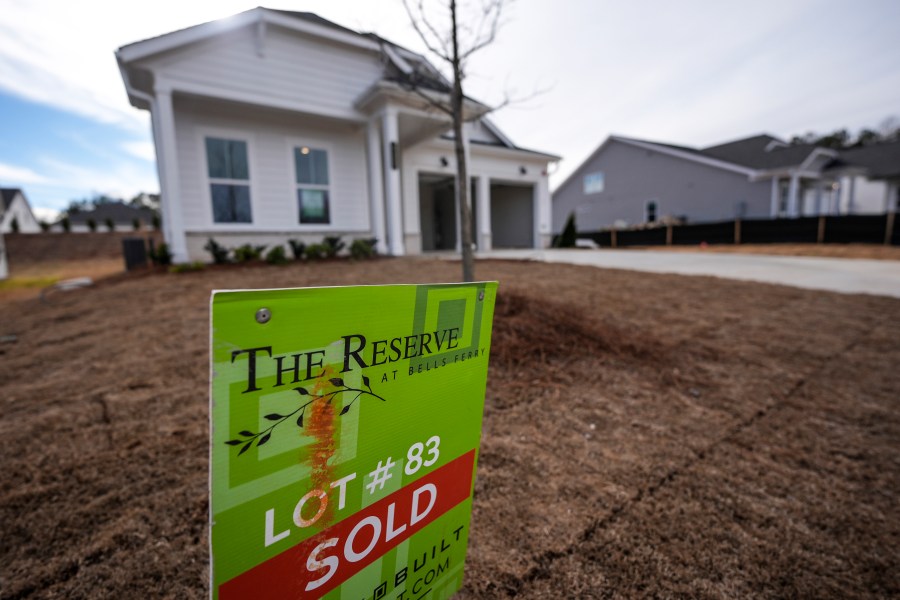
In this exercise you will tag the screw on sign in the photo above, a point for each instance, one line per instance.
(336, 471)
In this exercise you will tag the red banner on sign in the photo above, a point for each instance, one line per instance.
(324, 561)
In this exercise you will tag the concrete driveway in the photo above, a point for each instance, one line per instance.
(849, 276)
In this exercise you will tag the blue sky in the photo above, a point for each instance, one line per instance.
(692, 72)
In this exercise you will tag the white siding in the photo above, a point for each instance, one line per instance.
(271, 137)
(323, 76)
(18, 211)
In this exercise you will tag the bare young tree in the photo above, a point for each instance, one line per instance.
(454, 45)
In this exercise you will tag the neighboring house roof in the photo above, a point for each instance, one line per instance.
(119, 212)
(758, 152)
(7, 195)
(880, 161)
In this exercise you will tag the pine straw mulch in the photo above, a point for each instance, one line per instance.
(644, 435)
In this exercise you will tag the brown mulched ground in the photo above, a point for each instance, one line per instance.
(715, 439)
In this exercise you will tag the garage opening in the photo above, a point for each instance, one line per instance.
(512, 215)
(437, 211)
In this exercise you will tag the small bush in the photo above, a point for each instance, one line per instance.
(298, 249)
(92, 225)
(187, 267)
(110, 226)
(332, 246)
(569, 235)
(316, 251)
(161, 256)
(276, 256)
(361, 249)
(218, 252)
(136, 224)
(45, 226)
(66, 224)
(248, 252)
(156, 222)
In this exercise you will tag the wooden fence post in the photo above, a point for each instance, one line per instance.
(737, 231)
(820, 234)
(889, 228)
(668, 234)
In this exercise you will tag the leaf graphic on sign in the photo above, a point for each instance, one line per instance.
(277, 418)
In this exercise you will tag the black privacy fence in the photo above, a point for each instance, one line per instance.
(844, 229)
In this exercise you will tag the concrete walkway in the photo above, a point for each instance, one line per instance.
(845, 275)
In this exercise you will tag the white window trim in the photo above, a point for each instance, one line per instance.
(241, 136)
(314, 144)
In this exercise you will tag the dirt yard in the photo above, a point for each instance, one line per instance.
(716, 439)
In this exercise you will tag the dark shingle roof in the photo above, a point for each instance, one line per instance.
(117, 211)
(6, 197)
(880, 160)
(752, 152)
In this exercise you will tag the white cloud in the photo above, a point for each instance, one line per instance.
(45, 214)
(142, 150)
(18, 176)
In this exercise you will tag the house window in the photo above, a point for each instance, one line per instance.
(593, 183)
(311, 166)
(651, 211)
(229, 180)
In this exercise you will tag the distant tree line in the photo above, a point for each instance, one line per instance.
(842, 139)
(141, 200)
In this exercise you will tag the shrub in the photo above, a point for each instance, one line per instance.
(136, 224)
(187, 267)
(363, 248)
(110, 225)
(156, 222)
(161, 256)
(276, 256)
(316, 251)
(218, 252)
(248, 252)
(298, 248)
(92, 225)
(332, 246)
(66, 224)
(569, 235)
(45, 226)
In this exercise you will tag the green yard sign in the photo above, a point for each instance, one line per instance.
(345, 431)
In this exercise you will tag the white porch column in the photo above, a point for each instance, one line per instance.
(484, 213)
(793, 192)
(376, 186)
(172, 220)
(773, 207)
(819, 193)
(851, 196)
(391, 150)
(836, 198)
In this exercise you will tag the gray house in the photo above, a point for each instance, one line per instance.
(628, 182)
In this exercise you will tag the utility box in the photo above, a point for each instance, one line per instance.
(134, 251)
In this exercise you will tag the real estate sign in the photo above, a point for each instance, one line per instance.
(345, 431)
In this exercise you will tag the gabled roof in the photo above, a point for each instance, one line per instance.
(880, 160)
(119, 212)
(759, 152)
(6, 197)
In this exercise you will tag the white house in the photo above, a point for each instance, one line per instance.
(271, 125)
(15, 213)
